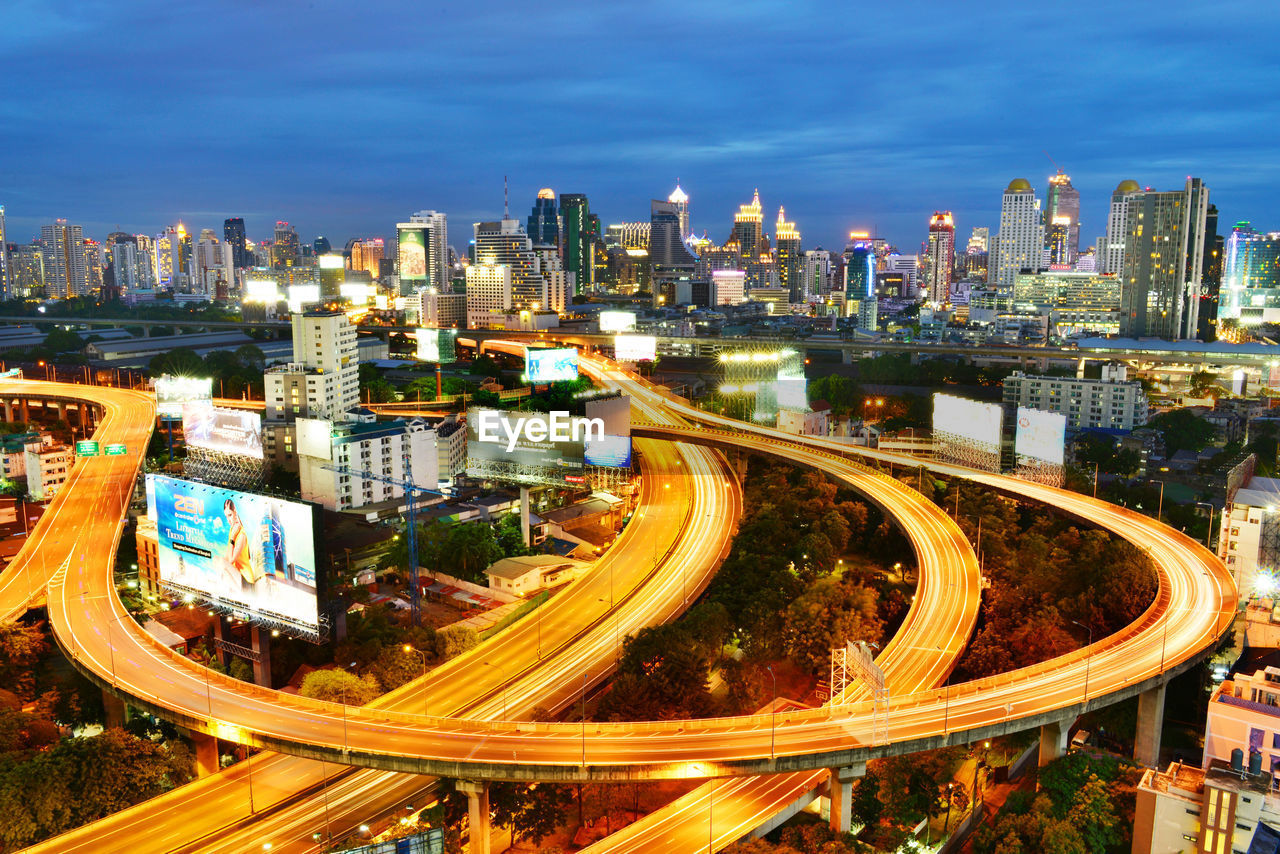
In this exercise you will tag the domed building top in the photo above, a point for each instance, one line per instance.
(546, 193)
(1128, 186)
(678, 196)
(1019, 185)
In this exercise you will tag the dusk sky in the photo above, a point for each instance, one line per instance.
(346, 117)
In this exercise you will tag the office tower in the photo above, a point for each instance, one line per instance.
(544, 223)
(94, 263)
(435, 236)
(1062, 208)
(6, 281)
(680, 199)
(816, 270)
(1058, 242)
(233, 236)
(1117, 216)
(909, 267)
(577, 239)
(557, 282)
(977, 253)
(941, 256)
(62, 246)
(285, 249)
(488, 291)
(748, 228)
(1163, 263)
(124, 262)
(26, 267)
(366, 253)
(321, 246)
(1020, 241)
(213, 263)
(171, 258)
(788, 258)
(323, 380)
(980, 238)
(1250, 276)
(668, 253)
(628, 236)
(504, 242)
(1210, 277)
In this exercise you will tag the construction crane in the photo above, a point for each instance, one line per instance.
(411, 492)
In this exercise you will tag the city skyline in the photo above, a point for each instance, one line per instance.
(344, 138)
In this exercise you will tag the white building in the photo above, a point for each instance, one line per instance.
(437, 310)
(437, 246)
(332, 457)
(323, 380)
(1219, 811)
(1113, 244)
(1020, 241)
(46, 467)
(728, 287)
(488, 291)
(211, 262)
(1244, 714)
(909, 267)
(1111, 403)
(1249, 536)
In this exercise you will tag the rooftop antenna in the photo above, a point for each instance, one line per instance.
(506, 207)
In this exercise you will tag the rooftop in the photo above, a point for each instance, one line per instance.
(515, 567)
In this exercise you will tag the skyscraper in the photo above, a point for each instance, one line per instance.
(977, 253)
(1250, 276)
(6, 282)
(505, 243)
(437, 248)
(1062, 208)
(680, 199)
(285, 251)
(544, 223)
(1163, 263)
(1020, 241)
(788, 258)
(1117, 217)
(62, 246)
(233, 236)
(667, 250)
(578, 240)
(941, 256)
(321, 246)
(366, 253)
(748, 228)
(1210, 277)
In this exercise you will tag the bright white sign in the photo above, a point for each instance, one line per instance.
(635, 348)
(1041, 435)
(968, 419)
(617, 321)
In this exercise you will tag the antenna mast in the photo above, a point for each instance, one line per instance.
(506, 207)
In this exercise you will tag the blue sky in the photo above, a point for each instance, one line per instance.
(345, 117)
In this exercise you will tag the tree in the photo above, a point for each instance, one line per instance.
(339, 686)
(532, 811)
(470, 548)
(1182, 429)
(452, 641)
(61, 340)
(182, 361)
(827, 615)
(21, 648)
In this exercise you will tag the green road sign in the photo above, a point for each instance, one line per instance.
(86, 448)
(115, 450)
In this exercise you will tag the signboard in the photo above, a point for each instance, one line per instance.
(413, 258)
(437, 345)
(11, 374)
(635, 348)
(264, 291)
(1041, 435)
(115, 450)
(86, 448)
(173, 392)
(526, 447)
(608, 451)
(301, 296)
(976, 422)
(613, 449)
(238, 551)
(224, 431)
(617, 321)
(550, 366)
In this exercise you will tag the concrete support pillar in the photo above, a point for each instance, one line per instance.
(206, 754)
(740, 465)
(1080, 365)
(1146, 744)
(1053, 741)
(262, 646)
(62, 411)
(846, 357)
(8, 410)
(526, 535)
(117, 714)
(25, 409)
(477, 814)
(840, 784)
(82, 415)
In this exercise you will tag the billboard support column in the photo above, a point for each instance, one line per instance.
(525, 534)
(116, 712)
(261, 639)
(206, 753)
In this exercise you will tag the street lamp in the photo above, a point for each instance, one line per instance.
(502, 673)
(1208, 537)
(408, 649)
(1088, 657)
(773, 726)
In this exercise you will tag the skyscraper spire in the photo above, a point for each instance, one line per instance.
(506, 206)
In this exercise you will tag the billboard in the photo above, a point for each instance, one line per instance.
(968, 419)
(550, 366)
(609, 452)
(264, 291)
(437, 345)
(249, 554)
(225, 431)
(172, 393)
(527, 447)
(1041, 435)
(413, 258)
(617, 321)
(613, 449)
(301, 296)
(635, 348)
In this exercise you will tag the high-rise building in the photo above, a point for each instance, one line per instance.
(1163, 263)
(532, 287)
(488, 291)
(124, 262)
(788, 259)
(1250, 290)
(817, 272)
(94, 265)
(1117, 217)
(285, 250)
(578, 239)
(1020, 241)
(1062, 208)
(436, 244)
(1058, 242)
(321, 246)
(680, 199)
(977, 254)
(366, 253)
(323, 380)
(628, 235)
(6, 282)
(667, 250)
(212, 266)
(748, 228)
(170, 258)
(941, 256)
(544, 222)
(860, 272)
(233, 236)
(62, 246)
(1210, 277)
(26, 267)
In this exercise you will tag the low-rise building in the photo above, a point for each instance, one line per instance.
(527, 574)
(148, 546)
(1110, 403)
(348, 466)
(1244, 714)
(1218, 810)
(1249, 532)
(47, 464)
